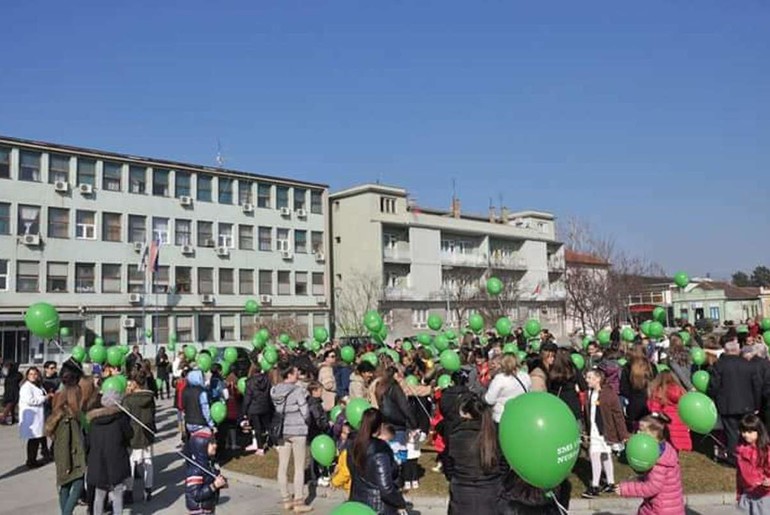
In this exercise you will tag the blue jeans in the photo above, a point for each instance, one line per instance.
(69, 495)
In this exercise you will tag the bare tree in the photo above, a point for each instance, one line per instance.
(277, 326)
(360, 293)
(466, 293)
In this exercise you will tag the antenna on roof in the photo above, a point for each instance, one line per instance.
(220, 159)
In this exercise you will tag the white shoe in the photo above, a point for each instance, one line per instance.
(407, 485)
(415, 485)
(251, 448)
(324, 481)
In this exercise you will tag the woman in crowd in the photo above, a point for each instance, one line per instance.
(12, 383)
(257, 408)
(634, 384)
(665, 392)
(394, 405)
(509, 382)
(566, 382)
(327, 380)
(32, 399)
(373, 468)
(539, 368)
(520, 498)
(473, 461)
(163, 370)
(680, 361)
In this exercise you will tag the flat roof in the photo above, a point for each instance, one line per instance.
(369, 188)
(166, 163)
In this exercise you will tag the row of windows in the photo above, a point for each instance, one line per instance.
(58, 278)
(162, 182)
(59, 224)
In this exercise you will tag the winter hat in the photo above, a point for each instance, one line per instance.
(111, 398)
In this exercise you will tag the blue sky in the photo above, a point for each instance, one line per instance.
(650, 120)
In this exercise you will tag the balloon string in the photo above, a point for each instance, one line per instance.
(61, 349)
(411, 389)
(561, 508)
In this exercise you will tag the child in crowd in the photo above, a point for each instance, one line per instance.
(753, 462)
(195, 404)
(140, 402)
(179, 386)
(202, 478)
(318, 424)
(341, 476)
(413, 452)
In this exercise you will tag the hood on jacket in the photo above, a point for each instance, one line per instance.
(53, 420)
(670, 457)
(142, 398)
(103, 415)
(195, 378)
(198, 449)
(280, 393)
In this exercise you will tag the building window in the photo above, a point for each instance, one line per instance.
(299, 198)
(58, 168)
(160, 230)
(137, 179)
(387, 205)
(318, 284)
(226, 328)
(245, 195)
(29, 166)
(111, 176)
(111, 329)
(160, 280)
(205, 328)
(184, 325)
(265, 282)
(5, 163)
(225, 190)
(137, 229)
(316, 202)
(205, 280)
(419, 317)
(245, 282)
(317, 242)
(111, 227)
(282, 240)
(160, 183)
(85, 278)
(282, 197)
(204, 188)
(205, 234)
(3, 275)
(300, 283)
(246, 237)
(160, 328)
(27, 273)
(85, 225)
(182, 232)
(284, 283)
(29, 220)
(226, 286)
(300, 241)
(183, 277)
(56, 277)
(714, 313)
(263, 195)
(265, 238)
(135, 279)
(58, 222)
(247, 327)
(110, 278)
(5, 218)
(225, 236)
(86, 171)
(181, 184)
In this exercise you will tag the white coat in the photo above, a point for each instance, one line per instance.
(31, 417)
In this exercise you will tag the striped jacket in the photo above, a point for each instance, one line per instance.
(200, 495)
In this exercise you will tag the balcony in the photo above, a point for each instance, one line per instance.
(396, 254)
(556, 264)
(464, 259)
(508, 262)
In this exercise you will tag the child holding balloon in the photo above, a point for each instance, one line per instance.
(753, 463)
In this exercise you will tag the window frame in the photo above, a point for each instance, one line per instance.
(301, 284)
(202, 237)
(133, 184)
(280, 192)
(49, 276)
(260, 283)
(202, 272)
(287, 285)
(108, 229)
(56, 174)
(5, 162)
(164, 236)
(225, 190)
(161, 188)
(182, 191)
(199, 191)
(53, 223)
(35, 171)
(316, 202)
(5, 218)
(222, 287)
(108, 280)
(179, 224)
(269, 241)
(245, 277)
(245, 239)
(83, 288)
(177, 283)
(132, 230)
(108, 176)
(85, 171)
(85, 228)
(4, 274)
(21, 277)
(264, 202)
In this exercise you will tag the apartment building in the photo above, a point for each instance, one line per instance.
(425, 261)
(74, 223)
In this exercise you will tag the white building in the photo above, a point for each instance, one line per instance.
(73, 222)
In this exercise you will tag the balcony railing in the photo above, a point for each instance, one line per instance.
(471, 259)
(508, 262)
(556, 264)
(396, 254)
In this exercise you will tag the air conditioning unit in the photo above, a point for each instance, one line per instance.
(287, 254)
(86, 189)
(320, 300)
(285, 211)
(301, 213)
(223, 251)
(61, 186)
(138, 246)
(209, 243)
(32, 240)
(188, 250)
(134, 298)
(266, 299)
(320, 257)
(185, 201)
(129, 323)
(248, 208)
(207, 298)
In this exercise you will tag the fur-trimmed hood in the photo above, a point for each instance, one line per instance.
(55, 418)
(94, 415)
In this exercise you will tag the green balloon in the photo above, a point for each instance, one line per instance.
(204, 361)
(98, 340)
(503, 326)
(659, 315)
(521, 355)
(251, 307)
(265, 365)
(257, 342)
(444, 381)
(742, 329)
(685, 336)
(441, 343)
(231, 355)
(190, 352)
(766, 337)
(681, 279)
(371, 357)
(159, 384)
(424, 338)
(450, 360)
(225, 368)
(124, 349)
(494, 286)
(78, 354)
(113, 384)
(355, 411)
(435, 322)
(42, 320)
(698, 412)
(698, 356)
(263, 335)
(700, 380)
(765, 324)
(628, 335)
(241, 385)
(450, 335)
(284, 338)
(510, 348)
(218, 412)
(270, 354)
(476, 323)
(578, 360)
(407, 345)
(348, 354)
(656, 330)
(532, 327)
(315, 346)
(353, 508)
(622, 362)
(148, 333)
(114, 356)
(320, 334)
(335, 412)
(64, 332)
(373, 321)
(604, 337)
(586, 341)
(412, 380)
(548, 452)
(645, 327)
(98, 354)
(172, 338)
(642, 451)
(662, 367)
(323, 450)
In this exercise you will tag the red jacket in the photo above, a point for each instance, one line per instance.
(438, 440)
(749, 475)
(179, 387)
(680, 434)
(661, 487)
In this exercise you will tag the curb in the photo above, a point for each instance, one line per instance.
(609, 503)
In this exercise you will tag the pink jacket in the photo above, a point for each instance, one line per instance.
(661, 487)
(748, 473)
(680, 434)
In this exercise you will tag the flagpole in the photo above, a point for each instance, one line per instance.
(144, 306)
(155, 320)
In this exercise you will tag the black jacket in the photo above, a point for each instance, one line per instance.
(520, 498)
(376, 485)
(450, 408)
(319, 420)
(12, 386)
(396, 410)
(141, 404)
(162, 366)
(463, 462)
(637, 399)
(256, 399)
(108, 441)
(567, 391)
(735, 386)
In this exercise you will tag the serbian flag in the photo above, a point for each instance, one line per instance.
(153, 256)
(537, 290)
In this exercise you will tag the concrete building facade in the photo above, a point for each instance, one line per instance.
(74, 224)
(716, 300)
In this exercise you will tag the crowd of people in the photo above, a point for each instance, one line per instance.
(101, 440)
